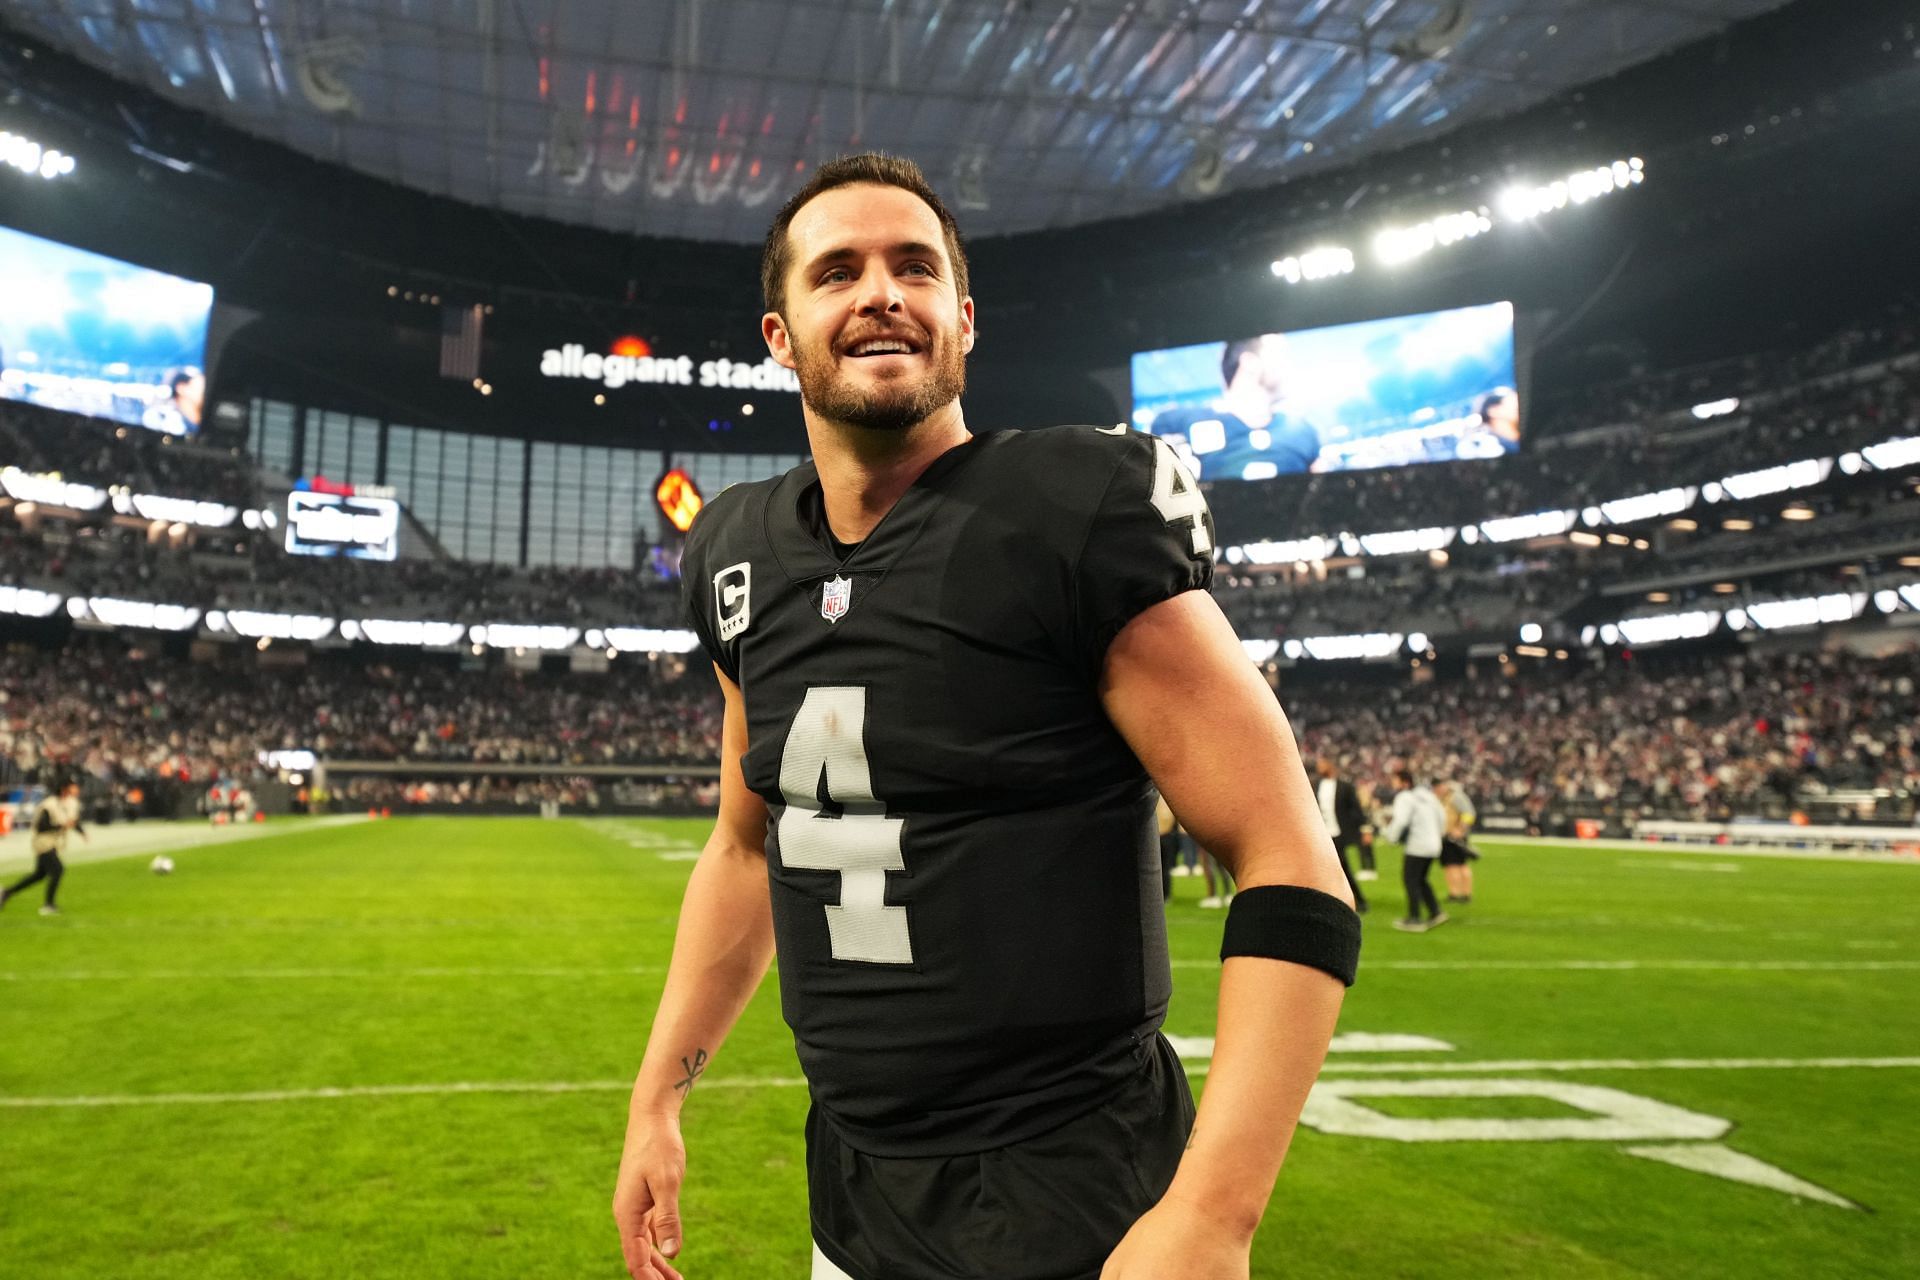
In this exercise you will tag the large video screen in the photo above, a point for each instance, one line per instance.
(1383, 393)
(98, 336)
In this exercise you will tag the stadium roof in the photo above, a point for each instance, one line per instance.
(687, 118)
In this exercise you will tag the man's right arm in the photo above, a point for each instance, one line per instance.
(1402, 817)
(720, 954)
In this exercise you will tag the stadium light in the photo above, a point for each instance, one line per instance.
(1890, 455)
(25, 602)
(1808, 611)
(1315, 264)
(1523, 203)
(1715, 408)
(1397, 245)
(1531, 633)
(30, 157)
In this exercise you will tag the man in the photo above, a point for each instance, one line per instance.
(53, 818)
(1345, 821)
(955, 668)
(1419, 825)
(179, 413)
(1247, 434)
(1456, 854)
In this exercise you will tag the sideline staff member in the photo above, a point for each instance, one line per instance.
(53, 818)
(955, 667)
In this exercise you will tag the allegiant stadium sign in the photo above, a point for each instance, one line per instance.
(615, 370)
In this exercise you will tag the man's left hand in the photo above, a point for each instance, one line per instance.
(1174, 1239)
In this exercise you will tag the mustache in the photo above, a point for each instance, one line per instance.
(910, 333)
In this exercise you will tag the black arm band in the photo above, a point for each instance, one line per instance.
(1289, 922)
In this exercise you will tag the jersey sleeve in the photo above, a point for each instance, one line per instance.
(704, 586)
(1151, 538)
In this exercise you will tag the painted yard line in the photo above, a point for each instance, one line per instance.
(137, 840)
(1650, 865)
(179, 975)
(1709, 850)
(1626, 966)
(795, 1082)
(1621, 1064)
(555, 971)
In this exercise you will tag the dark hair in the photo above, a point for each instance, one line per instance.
(1499, 395)
(1230, 358)
(776, 257)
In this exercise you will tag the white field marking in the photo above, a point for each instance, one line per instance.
(1723, 1162)
(270, 975)
(681, 855)
(794, 1082)
(1611, 1115)
(1622, 966)
(384, 1091)
(143, 839)
(1644, 864)
(1449, 1067)
(1711, 851)
(1191, 1048)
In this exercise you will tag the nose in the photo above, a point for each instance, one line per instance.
(879, 293)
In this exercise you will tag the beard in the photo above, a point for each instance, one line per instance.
(895, 406)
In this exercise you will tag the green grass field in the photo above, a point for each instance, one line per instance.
(478, 992)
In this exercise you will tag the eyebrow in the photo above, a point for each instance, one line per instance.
(905, 248)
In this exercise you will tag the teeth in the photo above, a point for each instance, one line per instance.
(882, 348)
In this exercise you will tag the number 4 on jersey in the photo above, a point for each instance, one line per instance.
(825, 762)
(1177, 497)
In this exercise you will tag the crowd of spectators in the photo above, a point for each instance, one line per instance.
(101, 453)
(125, 715)
(1785, 426)
(1707, 738)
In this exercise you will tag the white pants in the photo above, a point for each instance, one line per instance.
(823, 1268)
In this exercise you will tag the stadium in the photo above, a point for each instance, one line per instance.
(387, 390)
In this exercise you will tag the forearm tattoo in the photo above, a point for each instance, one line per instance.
(694, 1067)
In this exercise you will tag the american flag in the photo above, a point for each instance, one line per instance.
(460, 342)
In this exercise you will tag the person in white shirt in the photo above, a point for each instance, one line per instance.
(56, 815)
(1420, 825)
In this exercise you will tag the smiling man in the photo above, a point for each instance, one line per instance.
(955, 667)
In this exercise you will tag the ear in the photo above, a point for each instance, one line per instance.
(966, 325)
(779, 342)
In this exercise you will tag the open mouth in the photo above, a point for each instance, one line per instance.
(879, 348)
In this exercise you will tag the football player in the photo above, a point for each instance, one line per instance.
(955, 666)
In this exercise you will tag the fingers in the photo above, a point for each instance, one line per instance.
(645, 1263)
(665, 1223)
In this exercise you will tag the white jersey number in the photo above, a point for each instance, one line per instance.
(1177, 497)
(826, 756)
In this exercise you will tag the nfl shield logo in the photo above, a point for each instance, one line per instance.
(834, 599)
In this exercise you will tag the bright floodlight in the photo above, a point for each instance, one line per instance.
(1531, 633)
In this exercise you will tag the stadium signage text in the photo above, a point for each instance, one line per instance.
(614, 371)
(326, 524)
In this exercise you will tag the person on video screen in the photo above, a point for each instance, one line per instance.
(1247, 433)
(1499, 412)
(179, 413)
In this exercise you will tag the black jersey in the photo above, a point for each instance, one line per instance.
(961, 847)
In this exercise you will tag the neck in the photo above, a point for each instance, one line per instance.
(863, 472)
(1249, 404)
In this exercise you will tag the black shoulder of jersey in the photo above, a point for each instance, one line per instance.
(725, 535)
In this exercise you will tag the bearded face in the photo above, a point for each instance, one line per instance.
(882, 376)
(872, 321)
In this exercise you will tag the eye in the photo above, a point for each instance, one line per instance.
(836, 275)
(918, 269)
